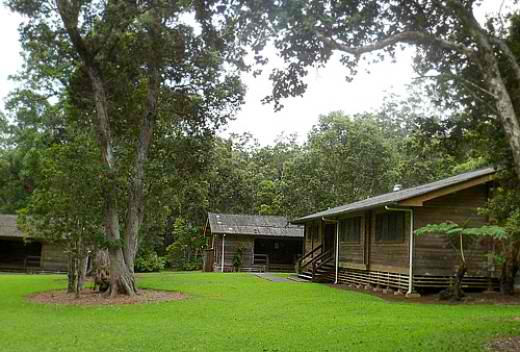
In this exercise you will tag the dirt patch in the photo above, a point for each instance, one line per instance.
(471, 297)
(90, 297)
(505, 344)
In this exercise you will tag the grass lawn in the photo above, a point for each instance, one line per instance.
(239, 312)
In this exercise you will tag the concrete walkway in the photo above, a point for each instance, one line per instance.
(271, 277)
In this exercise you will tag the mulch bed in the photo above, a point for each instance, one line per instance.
(471, 297)
(90, 297)
(505, 344)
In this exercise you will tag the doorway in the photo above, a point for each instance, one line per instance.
(329, 237)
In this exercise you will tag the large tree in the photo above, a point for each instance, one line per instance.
(127, 66)
(446, 34)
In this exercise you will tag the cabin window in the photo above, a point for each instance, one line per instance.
(390, 227)
(350, 230)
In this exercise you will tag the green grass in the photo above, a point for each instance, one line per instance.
(239, 312)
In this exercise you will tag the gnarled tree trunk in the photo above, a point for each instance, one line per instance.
(122, 250)
(510, 268)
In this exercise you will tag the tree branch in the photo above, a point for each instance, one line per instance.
(504, 48)
(401, 37)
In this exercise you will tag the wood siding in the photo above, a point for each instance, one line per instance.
(231, 244)
(388, 256)
(53, 258)
(434, 255)
(434, 260)
(312, 241)
(352, 254)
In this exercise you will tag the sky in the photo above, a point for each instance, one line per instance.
(327, 88)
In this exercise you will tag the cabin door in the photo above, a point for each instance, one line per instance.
(328, 237)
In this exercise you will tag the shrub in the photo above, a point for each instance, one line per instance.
(149, 262)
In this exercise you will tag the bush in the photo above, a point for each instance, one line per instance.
(149, 262)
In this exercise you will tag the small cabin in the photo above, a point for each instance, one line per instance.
(19, 253)
(371, 242)
(263, 243)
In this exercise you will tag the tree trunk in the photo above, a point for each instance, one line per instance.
(136, 195)
(122, 279)
(509, 270)
(487, 60)
(458, 293)
(70, 275)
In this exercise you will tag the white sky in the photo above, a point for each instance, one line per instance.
(327, 89)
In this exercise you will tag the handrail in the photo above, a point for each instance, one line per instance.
(265, 257)
(311, 253)
(318, 262)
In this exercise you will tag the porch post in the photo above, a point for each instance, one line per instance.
(223, 252)
(412, 246)
(337, 251)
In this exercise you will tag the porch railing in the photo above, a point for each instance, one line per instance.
(261, 259)
(307, 258)
(320, 261)
(32, 261)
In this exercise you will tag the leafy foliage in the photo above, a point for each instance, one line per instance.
(149, 262)
(452, 229)
(185, 251)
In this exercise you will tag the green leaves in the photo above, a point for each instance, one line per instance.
(448, 229)
(451, 229)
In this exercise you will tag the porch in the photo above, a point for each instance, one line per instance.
(318, 264)
(19, 256)
(254, 243)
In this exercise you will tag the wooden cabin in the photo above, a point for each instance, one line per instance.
(21, 254)
(265, 243)
(369, 242)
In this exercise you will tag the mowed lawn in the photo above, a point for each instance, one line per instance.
(240, 312)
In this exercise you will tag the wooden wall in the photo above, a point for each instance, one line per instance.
(231, 244)
(388, 256)
(313, 241)
(352, 254)
(53, 258)
(434, 254)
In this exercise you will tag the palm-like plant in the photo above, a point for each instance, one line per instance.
(458, 235)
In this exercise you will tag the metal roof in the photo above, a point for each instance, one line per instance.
(255, 225)
(394, 197)
(8, 227)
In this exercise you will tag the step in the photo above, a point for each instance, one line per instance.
(305, 276)
(296, 278)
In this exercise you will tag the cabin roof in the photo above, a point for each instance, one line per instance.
(8, 227)
(255, 225)
(397, 197)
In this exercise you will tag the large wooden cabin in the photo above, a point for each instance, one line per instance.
(19, 253)
(369, 242)
(266, 243)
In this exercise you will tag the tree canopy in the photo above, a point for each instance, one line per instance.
(448, 38)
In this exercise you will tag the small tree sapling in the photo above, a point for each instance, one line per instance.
(457, 236)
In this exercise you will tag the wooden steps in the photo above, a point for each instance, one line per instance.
(324, 273)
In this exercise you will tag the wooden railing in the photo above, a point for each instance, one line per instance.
(32, 261)
(321, 260)
(307, 258)
(261, 259)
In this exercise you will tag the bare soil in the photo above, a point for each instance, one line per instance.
(505, 344)
(90, 297)
(432, 298)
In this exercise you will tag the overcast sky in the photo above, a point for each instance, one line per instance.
(327, 89)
